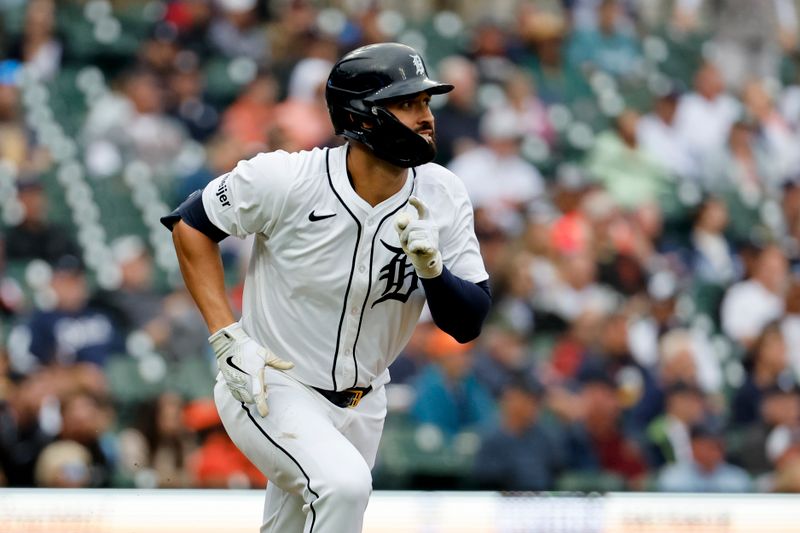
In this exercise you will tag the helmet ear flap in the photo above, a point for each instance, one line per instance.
(398, 144)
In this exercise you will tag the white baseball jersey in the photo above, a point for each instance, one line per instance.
(328, 286)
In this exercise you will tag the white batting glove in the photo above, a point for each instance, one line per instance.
(242, 362)
(420, 240)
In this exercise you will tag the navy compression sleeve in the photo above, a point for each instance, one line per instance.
(193, 213)
(458, 307)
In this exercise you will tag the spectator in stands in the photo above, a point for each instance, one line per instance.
(749, 39)
(623, 271)
(587, 13)
(596, 438)
(611, 356)
(35, 237)
(767, 365)
(608, 47)
(680, 18)
(557, 79)
(239, 32)
(574, 345)
(789, 226)
(247, 119)
(159, 52)
(187, 99)
(64, 464)
(74, 331)
(191, 20)
(458, 120)
(626, 170)
(751, 304)
(687, 356)
(704, 116)
(14, 145)
(575, 290)
(531, 113)
(790, 326)
(494, 242)
(783, 450)
(658, 135)
(367, 27)
(745, 175)
(657, 317)
(488, 51)
(87, 418)
(789, 102)
(620, 234)
(294, 25)
(707, 470)
(132, 125)
(779, 138)
(516, 287)
(135, 304)
(39, 47)
(668, 436)
(712, 260)
(155, 452)
(523, 453)
(28, 423)
(571, 231)
(303, 115)
(503, 357)
(6, 384)
(498, 179)
(779, 407)
(449, 395)
(186, 326)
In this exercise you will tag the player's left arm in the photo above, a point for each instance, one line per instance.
(457, 306)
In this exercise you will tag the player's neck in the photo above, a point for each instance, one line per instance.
(372, 178)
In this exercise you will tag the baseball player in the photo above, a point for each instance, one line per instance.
(349, 244)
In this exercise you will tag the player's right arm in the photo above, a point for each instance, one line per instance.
(240, 359)
(201, 267)
(225, 207)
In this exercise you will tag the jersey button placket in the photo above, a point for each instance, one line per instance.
(358, 292)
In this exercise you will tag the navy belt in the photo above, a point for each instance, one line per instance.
(346, 398)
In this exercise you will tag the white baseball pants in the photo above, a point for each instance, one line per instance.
(316, 456)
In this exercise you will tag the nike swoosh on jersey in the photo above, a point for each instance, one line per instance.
(314, 217)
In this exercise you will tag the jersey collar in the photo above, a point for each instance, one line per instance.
(343, 187)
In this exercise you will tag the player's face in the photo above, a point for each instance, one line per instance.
(415, 113)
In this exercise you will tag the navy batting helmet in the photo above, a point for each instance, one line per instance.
(359, 86)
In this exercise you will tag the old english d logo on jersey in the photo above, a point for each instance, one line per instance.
(401, 279)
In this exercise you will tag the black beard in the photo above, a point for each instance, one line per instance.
(431, 142)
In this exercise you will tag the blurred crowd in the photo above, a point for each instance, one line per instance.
(635, 173)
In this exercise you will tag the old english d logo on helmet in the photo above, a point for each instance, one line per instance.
(359, 86)
(417, 60)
